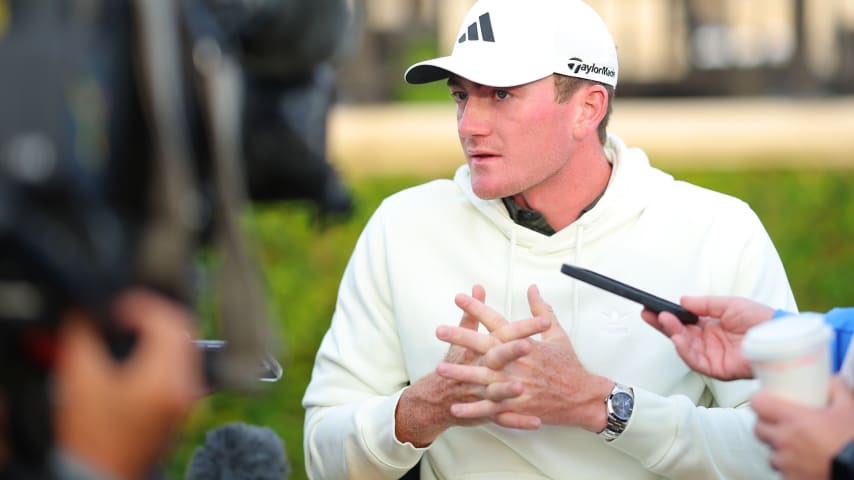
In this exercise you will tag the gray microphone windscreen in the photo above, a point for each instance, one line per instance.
(238, 451)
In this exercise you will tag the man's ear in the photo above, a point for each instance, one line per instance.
(593, 106)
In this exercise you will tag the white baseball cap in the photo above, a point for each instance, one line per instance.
(504, 43)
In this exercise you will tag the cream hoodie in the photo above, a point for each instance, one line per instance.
(425, 244)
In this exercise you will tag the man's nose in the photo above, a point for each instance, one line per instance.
(474, 118)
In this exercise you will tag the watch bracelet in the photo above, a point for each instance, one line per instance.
(614, 427)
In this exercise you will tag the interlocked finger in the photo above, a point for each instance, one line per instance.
(460, 354)
(478, 294)
(517, 420)
(498, 357)
(468, 373)
(522, 329)
(466, 338)
(475, 308)
(498, 392)
(478, 409)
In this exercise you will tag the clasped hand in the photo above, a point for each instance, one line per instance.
(513, 380)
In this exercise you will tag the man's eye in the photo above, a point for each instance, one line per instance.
(502, 94)
(459, 96)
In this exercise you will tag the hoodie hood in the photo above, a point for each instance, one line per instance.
(633, 184)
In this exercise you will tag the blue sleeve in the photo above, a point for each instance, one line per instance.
(842, 321)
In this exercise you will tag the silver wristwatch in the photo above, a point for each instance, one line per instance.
(619, 403)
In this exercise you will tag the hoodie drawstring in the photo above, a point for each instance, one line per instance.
(508, 288)
(579, 241)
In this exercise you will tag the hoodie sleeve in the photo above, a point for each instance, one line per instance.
(673, 437)
(358, 377)
(676, 439)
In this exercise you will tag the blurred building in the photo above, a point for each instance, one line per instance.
(666, 47)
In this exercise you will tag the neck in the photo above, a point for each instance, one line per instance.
(562, 197)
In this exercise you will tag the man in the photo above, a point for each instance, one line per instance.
(598, 394)
(806, 442)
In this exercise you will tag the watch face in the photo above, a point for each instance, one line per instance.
(622, 403)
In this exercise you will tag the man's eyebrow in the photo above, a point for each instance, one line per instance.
(455, 81)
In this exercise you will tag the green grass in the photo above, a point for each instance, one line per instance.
(809, 215)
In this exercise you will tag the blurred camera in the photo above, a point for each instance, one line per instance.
(132, 134)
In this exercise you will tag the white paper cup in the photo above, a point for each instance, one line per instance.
(791, 357)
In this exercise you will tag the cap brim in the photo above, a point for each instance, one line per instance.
(484, 71)
(429, 71)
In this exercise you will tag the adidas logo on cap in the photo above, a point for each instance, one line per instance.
(485, 28)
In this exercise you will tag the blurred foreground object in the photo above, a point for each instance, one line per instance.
(133, 134)
(238, 451)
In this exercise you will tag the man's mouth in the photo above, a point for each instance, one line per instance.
(480, 154)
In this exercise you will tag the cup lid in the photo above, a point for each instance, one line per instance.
(786, 337)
